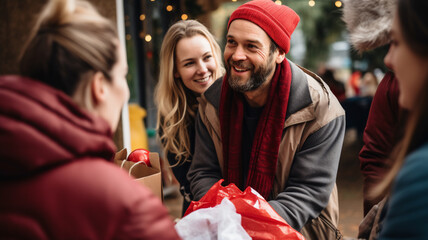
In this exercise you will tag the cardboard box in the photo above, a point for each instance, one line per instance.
(148, 176)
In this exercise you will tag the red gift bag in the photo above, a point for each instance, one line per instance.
(259, 219)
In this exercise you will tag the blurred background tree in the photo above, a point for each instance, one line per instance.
(322, 26)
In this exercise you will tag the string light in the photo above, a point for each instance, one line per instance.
(278, 2)
(128, 37)
(142, 17)
(184, 16)
(234, 0)
(169, 8)
(148, 38)
(338, 3)
(311, 3)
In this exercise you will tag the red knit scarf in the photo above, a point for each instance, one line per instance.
(264, 152)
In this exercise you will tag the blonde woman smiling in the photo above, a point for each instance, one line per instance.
(190, 62)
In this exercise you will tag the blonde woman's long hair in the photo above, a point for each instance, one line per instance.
(414, 27)
(175, 103)
(69, 42)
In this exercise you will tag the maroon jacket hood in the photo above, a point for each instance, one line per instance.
(40, 128)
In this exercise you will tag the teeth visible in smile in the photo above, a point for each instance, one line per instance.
(203, 80)
(240, 69)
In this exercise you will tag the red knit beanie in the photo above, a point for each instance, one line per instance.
(278, 21)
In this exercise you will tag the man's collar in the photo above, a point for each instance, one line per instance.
(300, 96)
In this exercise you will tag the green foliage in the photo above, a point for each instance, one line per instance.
(132, 72)
(321, 25)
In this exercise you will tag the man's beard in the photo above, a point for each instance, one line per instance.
(257, 78)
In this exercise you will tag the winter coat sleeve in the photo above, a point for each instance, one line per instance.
(180, 172)
(407, 210)
(204, 170)
(180, 169)
(146, 217)
(312, 175)
(149, 219)
(379, 136)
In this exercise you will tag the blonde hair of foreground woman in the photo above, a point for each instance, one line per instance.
(69, 43)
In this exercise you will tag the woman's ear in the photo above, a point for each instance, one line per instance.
(280, 57)
(99, 89)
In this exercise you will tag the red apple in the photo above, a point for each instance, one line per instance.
(140, 155)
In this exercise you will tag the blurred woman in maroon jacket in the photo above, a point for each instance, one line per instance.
(56, 176)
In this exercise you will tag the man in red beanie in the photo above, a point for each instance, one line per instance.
(270, 124)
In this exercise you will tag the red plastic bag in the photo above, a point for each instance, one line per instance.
(259, 219)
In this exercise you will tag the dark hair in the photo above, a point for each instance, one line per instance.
(414, 24)
(413, 21)
(273, 46)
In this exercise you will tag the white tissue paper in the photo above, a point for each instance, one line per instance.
(220, 222)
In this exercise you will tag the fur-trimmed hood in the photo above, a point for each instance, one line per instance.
(369, 22)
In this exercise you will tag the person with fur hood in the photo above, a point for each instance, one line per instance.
(369, 24)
